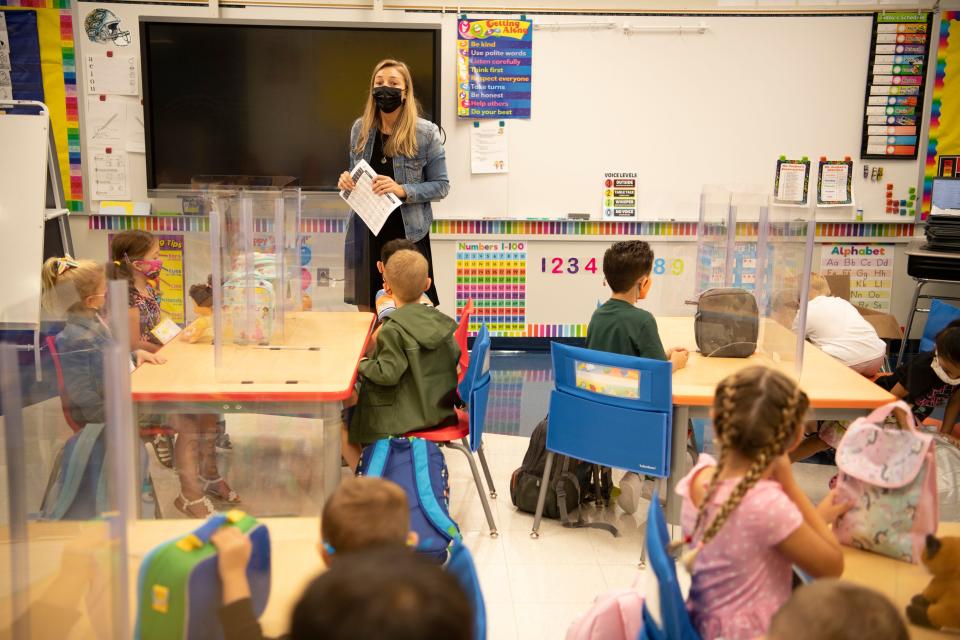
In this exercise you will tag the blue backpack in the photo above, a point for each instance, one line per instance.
(77, 488)
(461, 567)
(420, 468)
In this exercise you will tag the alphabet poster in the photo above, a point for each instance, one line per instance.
(870, 267)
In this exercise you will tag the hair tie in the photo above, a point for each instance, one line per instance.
(116, 262)
(65, 263)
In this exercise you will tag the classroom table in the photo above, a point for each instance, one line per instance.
(314, 382)
(899, 581)
(836, 392)
(928, 266)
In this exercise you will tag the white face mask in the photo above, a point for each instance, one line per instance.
(937, 369)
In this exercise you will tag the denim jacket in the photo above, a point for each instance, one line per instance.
(423, 177)
(81, 346)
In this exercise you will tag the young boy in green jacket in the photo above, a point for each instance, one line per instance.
(410, 381)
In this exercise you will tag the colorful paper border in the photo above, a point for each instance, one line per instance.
(201, 224)
(55, 31)
(930, 170)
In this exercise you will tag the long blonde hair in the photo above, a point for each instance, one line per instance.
(757, 411)
(403, 140)
(67, 283)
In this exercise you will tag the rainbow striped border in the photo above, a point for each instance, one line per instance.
(930, 170)
(685, 230)
(655, 229)
(200, 224)
(72, 183)
(68, 52)
(557, 330)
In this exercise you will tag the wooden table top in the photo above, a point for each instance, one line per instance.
(827, 382)
(326, 374)
(899, 581)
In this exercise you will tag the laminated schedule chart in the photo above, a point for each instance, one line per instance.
(899, 49)
(494, 63)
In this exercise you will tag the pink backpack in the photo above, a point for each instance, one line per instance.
(615, 615)
(891, 476)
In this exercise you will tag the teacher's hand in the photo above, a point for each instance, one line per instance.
(345, 182)
(384, 184)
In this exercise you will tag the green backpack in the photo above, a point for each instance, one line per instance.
(179, 591)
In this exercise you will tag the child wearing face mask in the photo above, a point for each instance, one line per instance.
(619, 326)
(77, 289)
(931, 379)
(135, 257)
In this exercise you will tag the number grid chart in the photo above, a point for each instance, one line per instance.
(494, 276)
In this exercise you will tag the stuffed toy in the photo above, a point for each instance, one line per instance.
(199, 329)
(939, 604)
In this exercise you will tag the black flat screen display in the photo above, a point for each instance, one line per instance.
(267, 100)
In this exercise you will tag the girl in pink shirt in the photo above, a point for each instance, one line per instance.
(745, 516)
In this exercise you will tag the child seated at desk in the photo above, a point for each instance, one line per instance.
(361, 515)
(619, 326)
(744, 515)
(410, 381)
(384, 298)
(928, 381)
(835, 325)
(835, 610)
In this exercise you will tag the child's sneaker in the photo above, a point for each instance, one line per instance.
(631, 490)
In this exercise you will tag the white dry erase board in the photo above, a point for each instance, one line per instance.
(683, 110)
(23, 192)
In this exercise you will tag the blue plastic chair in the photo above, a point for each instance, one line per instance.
(608, 409)
(467, 435)
(941, 314)
(461, 566)
(671, 621)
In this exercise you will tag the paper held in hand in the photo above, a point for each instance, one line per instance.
(372, 209)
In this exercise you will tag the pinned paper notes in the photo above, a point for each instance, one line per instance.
(110, 177)
(106, 121)
(111, 75)
(489, 147)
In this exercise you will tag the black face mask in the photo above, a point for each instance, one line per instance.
(388, 99)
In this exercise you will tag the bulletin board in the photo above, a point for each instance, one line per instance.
(945, 107)
(57, 75)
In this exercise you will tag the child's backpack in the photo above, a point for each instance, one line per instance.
(727, 324)
(615, 615)
(179, 593)
(571, 481)
(890, 474)
(420, 468)
(250, 324)
(77, 489)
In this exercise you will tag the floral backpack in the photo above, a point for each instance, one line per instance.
(890, 474)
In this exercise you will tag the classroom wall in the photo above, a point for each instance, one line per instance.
(541, 185)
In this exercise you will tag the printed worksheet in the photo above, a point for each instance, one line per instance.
(105, 121)
(372, 209)
(110, 177)
(111, 75)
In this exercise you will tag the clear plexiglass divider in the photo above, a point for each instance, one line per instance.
(70, 481)
(746, 241)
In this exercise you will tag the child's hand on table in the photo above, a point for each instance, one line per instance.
(678, 356)
(833, 506)
(145, 356)
(233, 555)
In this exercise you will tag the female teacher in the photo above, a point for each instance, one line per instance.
(406, 153)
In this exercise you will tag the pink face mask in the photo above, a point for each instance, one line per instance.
(149, 268)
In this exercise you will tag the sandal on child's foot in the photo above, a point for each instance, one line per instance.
(199, 508)
(219, 489)
(163, 447)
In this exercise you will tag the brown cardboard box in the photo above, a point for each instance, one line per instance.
(886, 324)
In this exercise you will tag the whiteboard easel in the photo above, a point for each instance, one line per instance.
(31, 193)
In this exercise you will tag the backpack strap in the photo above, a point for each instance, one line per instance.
(428, 500)
(378, 458)
(79, 457)
(565, 517)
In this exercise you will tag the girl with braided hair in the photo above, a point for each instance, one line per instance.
(745, 516)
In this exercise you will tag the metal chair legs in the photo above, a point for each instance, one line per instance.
(476, 479)
(542, 498)
(486, 471)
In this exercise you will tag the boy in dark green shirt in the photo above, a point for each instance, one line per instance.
(618, 326)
